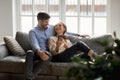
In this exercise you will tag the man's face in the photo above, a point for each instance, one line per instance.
(43, 23)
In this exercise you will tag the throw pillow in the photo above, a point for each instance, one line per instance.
(14, 46)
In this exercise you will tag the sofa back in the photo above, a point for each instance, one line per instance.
(93, 42)
(23, 39)
(97, 43)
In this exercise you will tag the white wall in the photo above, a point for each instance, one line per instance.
(115, 17)
(5, 18)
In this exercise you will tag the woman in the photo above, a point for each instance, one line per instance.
(62, 49)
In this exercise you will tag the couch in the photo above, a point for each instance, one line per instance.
(11, 64)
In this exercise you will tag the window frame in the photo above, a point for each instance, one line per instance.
(62, 15)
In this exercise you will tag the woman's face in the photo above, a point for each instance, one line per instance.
(59, 28)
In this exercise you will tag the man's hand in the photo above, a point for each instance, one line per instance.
(43, 55)
(84, 35)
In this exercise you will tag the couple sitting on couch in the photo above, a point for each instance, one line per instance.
(60, 46)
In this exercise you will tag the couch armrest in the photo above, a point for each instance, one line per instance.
(3, 50)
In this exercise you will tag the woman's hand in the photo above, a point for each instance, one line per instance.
(60, 42)
(65, 44)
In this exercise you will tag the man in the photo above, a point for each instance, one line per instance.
(38, 38)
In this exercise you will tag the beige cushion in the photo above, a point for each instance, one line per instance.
(14, 46)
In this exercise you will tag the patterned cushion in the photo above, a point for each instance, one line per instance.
(14, 46)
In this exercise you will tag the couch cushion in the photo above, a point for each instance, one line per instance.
(12, 64)
(14, 46)
(16, 65)
(59, 69)
(23, 39)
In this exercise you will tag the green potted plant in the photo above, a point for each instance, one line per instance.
(105, 67)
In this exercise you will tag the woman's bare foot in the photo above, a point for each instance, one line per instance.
(91, 54)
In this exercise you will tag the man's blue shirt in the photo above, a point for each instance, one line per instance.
(39, 37)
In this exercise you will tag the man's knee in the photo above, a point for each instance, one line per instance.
(30, 53)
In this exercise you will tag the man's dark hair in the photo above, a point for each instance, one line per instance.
(43, 16)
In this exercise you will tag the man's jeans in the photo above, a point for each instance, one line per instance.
(34, 65)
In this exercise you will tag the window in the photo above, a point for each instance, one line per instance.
(80, 16)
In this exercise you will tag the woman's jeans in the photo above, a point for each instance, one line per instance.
(34, 64)
(67, 55)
